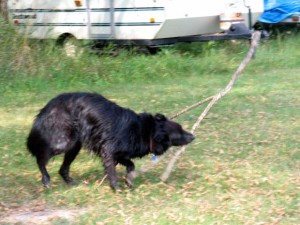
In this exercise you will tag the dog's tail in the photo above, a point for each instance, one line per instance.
(31, 146)
(35, 143)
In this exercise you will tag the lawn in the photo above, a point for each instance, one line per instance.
(243, 167)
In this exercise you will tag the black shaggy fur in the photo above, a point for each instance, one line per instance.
(73, 120)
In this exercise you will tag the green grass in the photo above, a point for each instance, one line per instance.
(243, 168)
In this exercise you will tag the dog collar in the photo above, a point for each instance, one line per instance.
(151, 145)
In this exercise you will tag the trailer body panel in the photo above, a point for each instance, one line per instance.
(132, 20)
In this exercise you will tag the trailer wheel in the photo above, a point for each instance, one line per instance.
(71, 46)
(153, 50)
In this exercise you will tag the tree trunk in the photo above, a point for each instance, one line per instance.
(3, 8)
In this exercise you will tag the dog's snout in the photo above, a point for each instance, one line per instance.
(190, 137)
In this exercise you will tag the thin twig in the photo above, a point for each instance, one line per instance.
(152, 164)
(101, 182)
(192, 107)
(255, 40)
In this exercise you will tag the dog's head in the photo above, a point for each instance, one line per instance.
(168, 133)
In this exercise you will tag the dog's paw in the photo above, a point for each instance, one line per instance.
(70, 181)
(129, 183)
(47, 185)
(117, 189)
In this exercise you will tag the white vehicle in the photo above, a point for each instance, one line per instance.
(133, 22)
(293, 19)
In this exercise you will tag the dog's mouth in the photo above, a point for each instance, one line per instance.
(191, 138)
(184, 141)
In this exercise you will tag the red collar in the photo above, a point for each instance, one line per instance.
(151, 145)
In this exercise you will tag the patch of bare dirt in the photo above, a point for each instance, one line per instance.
(39, 215)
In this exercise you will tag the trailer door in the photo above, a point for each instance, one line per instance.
(101, 20)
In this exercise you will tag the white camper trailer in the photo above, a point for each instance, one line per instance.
(132, 22)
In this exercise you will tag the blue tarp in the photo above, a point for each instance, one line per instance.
(278, 10)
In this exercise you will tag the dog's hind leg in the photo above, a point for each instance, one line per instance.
(68, 159)
(42, 162)
(130, 175)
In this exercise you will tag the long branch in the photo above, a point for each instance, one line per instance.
(255, 40)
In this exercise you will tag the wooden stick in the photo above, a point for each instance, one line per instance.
(192, 107)
(255, 40)
(101, 182)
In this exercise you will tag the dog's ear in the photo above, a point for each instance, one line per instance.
(160, 117)
(160, 135)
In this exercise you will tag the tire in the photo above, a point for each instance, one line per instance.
(153, 50)
(71, 46)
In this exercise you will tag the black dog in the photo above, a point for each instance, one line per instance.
(73, 120)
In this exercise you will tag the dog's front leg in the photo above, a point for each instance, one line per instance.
(110, 168)
(130, 175)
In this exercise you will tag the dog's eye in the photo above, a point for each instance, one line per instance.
(160, 117)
